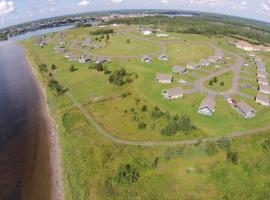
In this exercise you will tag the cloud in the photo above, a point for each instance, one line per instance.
(116, 1)
(6, 7)
(164, 1)
(265, 7)
(84, 3)
(52, 2)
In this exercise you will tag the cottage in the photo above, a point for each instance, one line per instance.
(146, 59)
(262, 81)
(163, 57)
(164, 78)
(179, 69)
(213, 59)
(147, 32)
(245, 110)
(207, 106)
(173, 93)
(85, 59)
(265, 89)
(74, 58)
(99, 60)
(262, 99)
(204, 62)
(244, 45)
(192, 65)
(262, 74)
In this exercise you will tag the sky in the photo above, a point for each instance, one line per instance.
(18, 11)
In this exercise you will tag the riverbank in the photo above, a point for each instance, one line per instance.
(55, 171)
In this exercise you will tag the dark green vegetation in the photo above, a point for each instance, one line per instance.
(207, 25)
(102, 32)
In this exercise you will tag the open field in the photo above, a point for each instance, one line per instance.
(223, 82)
(93, 166)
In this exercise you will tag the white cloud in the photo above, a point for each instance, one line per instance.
(6, 7)
(164, 1)
(84, 3)
(116, 1)
(265, 7)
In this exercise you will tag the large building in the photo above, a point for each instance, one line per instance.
(179, 69)
(164, 78)
(265, 89)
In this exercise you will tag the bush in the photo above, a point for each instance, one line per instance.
(72, 68)
(232, 157)
(128, 41)
(215, 80)
(125, 94)
(144, 108)
(224, 143)
(54, 67)
(210, 82)
(266, 145)
(126, 174)
(222, 83)
(211, 148)
(43, 68)
(156, 113)
(101, 32)
(141, 126)
(99, 67)
(56, 86)
(120, 77)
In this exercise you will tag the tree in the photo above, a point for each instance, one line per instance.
(266, 145)
(211, 148)
(108, 37)
(215, 80)
(222, 83)
(224, 143)
(127, 174)
(43, 68)
(128, 40)
(211, 82)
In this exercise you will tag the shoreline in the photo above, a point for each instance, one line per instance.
(53, 140)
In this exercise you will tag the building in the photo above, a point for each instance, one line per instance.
(146, 59)
(85, 59)
(98, 60)
(213, 59)
(74, 58)
(147, 32)
(163, 57)
(245, 110)
(262, 81)
(262, 74)
(40, 42)
(173, 93)
(192, 65)
(164, 78)
(179, 69)
(262, 99)
(207, 106)
(265, 89)
(204, 62)
(244, 45)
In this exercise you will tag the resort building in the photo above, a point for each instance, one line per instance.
(264, 89)
(262, 99)
(213, 59)
(204, 62)
(207, 106)
(179, 69)
(245, 110)
(146, 59)
(244, 45)
(262, 81)
(173, 93)
(163, 57)
(164, 78)
(192, 65)
(262, 74)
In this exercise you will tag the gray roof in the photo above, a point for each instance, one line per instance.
(262, 80)
(161, 56)
(245, 108)
(213, 58)
(174, 91)
(262, 98)
(146, 58)
(209, 103)
(262, 73)
(203, 62)
(164, 77)
(179, 69)
(192, 64)
(265, 88)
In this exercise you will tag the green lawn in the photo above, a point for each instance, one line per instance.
(225, 78)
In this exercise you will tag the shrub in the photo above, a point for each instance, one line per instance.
(141, 126)
(56, 86)
(222, 83)
(72, 68)
(54, 67)
(210, 82)
(232, 157)
(43, 68)
(211, 148)
(125, 94)
(155, 162)
(215, 79)
(120, 77)
(144, 108)
(156, 113)
(128, 41)
(224, 143)
(127, 174)
(266, 145)
(101, 31)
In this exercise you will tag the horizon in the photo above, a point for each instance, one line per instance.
(14, 12)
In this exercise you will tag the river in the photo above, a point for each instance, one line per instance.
(25, 168)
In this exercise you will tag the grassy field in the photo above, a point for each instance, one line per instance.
(93, 166)
(223, 82)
